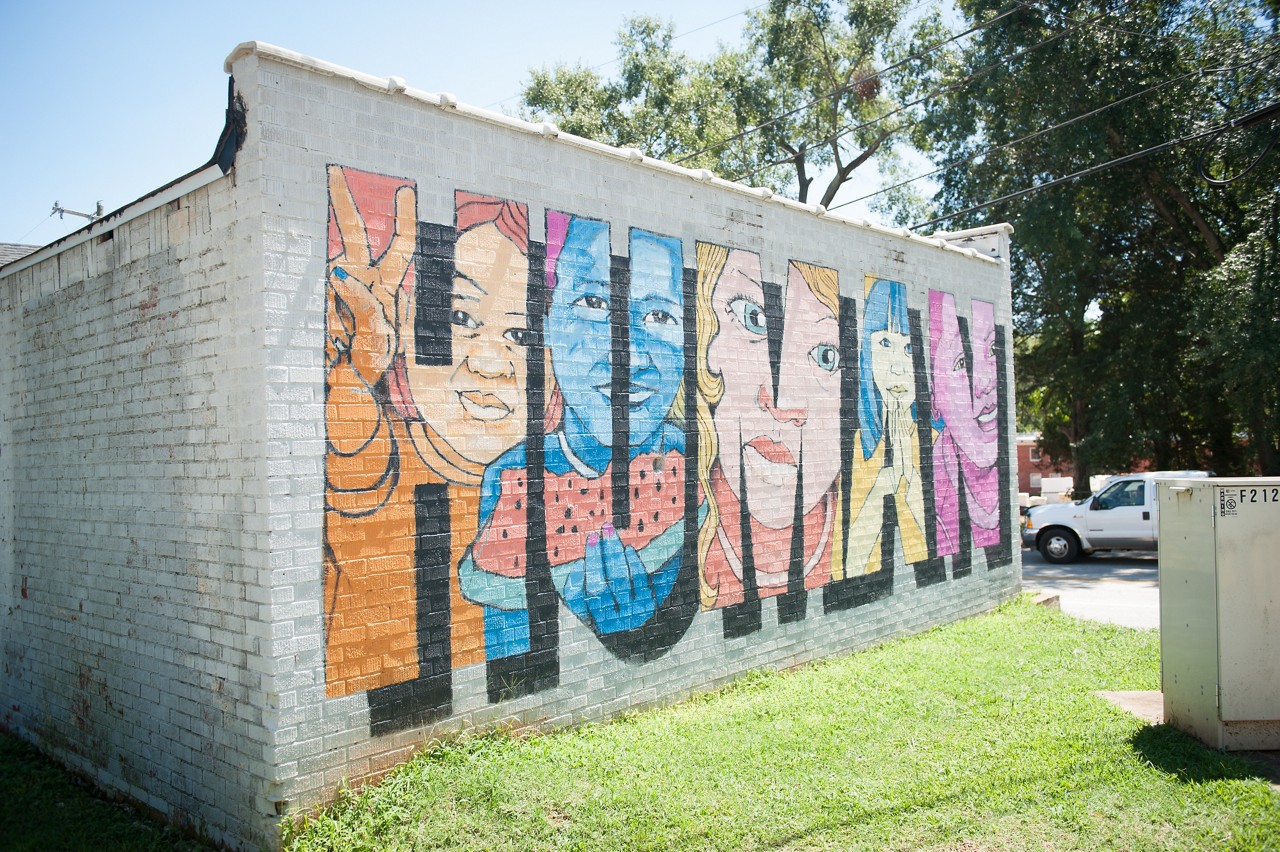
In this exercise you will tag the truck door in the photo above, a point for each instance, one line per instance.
(1120, 516)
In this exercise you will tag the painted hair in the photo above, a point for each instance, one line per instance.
(510, 217)
(885, 310)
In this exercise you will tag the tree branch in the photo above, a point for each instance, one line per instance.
(843, 172)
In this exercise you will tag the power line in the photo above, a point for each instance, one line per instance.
(1154, 149)
(33, 230)
(742, 134)
(959, 84)
(981, 153)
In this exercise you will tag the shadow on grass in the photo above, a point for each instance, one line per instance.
(1187, 759)
(44, 807)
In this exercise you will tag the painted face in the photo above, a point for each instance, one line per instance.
(771, 438)
(967, 405)
(577, 331)
(891, 367)
(657, 332)
(478, 402)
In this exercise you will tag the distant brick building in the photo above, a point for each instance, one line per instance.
(1034, 465)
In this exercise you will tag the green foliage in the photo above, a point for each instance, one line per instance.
(983, 734)
(1109, 269)
(799, 94)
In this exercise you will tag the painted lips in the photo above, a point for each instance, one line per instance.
(484, 406)
(637, 395)
(772, 451)
(987, 417)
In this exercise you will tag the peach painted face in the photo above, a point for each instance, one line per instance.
(478, 403)
(770, 436)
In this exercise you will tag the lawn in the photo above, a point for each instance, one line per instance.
(981, 735)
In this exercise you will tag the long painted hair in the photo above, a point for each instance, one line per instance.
(711, 260)
(885, 310)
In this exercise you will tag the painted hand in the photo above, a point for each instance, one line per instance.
(616, 592)
(371, 304)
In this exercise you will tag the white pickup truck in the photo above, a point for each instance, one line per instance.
(1123, 515)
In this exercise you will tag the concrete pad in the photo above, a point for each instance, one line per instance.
(1145, 704)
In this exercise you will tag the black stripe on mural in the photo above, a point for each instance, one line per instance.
(429, 696)
(838, 594)
(1001, 554)
(931, 569)
(433, 295)
(743, 619)
(791, 603)
(774, 317)
(538, 668)
(671, 619)
(962, 562)
(620, 387)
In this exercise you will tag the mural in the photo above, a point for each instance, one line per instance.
(520, 429)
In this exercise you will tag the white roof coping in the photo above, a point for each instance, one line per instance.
(397, 86)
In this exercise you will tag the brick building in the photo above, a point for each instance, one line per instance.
(401, 416)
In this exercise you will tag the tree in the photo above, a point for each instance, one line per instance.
(1109, 269)
(800, 95)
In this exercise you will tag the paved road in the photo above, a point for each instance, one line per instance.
(1119, 587)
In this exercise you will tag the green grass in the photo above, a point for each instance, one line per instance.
(980, 735)
(43, 808)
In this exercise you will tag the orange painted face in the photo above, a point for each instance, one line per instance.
(477, 403)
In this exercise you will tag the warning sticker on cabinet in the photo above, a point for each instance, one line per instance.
(1232, 501)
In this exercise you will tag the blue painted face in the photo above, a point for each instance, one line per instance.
(579, 338)
(577, 331)
(657, 331)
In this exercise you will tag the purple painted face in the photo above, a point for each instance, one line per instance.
(964, 395)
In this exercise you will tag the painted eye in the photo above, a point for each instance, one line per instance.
(959, 365)
(825, 356)
(909, 349)
(462, 318)
(518, 336)
(884, 341)
(593, 302)
(660, 317)
(749, 314)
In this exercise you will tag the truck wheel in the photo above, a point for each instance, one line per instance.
(1059, 546)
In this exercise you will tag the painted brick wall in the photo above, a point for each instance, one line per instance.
(425, 617)
(424, 418)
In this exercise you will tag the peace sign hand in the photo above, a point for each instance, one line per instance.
(371, 304)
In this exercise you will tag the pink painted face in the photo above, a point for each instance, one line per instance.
(964, 395)
(769, 438)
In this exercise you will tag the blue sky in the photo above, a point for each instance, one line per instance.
(110, 100)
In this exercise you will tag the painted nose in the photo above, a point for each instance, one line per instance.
(797, 416)
(490, 362)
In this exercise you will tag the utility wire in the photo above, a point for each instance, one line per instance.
(1257, 116)
(33, 230)
(981, 153)
(959, 84)
(834, 92)
(1154, 149)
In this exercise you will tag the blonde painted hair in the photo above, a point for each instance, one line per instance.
(712, 260)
